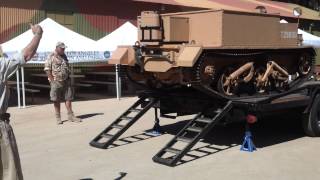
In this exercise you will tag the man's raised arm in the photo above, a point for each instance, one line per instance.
(31, 48)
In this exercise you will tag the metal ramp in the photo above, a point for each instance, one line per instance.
(189, 136)
(124, 122)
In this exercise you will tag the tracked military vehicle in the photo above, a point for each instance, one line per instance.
(229, 54)
(223, 66)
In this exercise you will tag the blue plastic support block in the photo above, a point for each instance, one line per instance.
(247, 144)
(156, 130)
(153, 133)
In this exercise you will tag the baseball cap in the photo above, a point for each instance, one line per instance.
(61, 45)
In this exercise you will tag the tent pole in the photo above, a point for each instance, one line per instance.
(23, 88)
(18, 87)
(117, 81)
(72, 77)
(120, 84)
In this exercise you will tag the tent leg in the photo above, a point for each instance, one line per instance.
(18, 87)
(23, 88)
(72, 78)
(118, 82)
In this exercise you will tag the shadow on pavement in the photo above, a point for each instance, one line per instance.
(267, 132)
(276, 130)
(131, 139)
(85, 116)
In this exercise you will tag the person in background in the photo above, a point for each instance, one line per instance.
(10, 161)
(58, 72)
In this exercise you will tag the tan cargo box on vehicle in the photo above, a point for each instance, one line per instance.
(149, 26)
(150, 19)
(221, 28)
(177, 29)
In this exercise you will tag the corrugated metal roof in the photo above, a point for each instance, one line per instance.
(272, 7)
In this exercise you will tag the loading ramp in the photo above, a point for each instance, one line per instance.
(196, 129)
(123, 122)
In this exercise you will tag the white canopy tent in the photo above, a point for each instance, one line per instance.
(127, 34)
(308, 39)
(79, 47)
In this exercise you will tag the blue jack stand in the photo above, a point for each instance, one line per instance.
(247, 144)
(156, 130)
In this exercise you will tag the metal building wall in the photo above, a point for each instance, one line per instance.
(84, 24)
(15, 20)
(100, 17)
(94, 19)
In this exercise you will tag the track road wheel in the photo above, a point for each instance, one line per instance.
(262, 87)
(305, 64)
(225, 87)
(311, 121)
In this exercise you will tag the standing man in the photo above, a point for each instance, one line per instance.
(10, 161)
(58, 71)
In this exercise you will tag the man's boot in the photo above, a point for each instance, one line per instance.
(58, 118)
(72, 118)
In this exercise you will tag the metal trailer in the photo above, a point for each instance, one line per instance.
(213, 110)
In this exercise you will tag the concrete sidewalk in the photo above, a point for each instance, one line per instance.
(51, 152)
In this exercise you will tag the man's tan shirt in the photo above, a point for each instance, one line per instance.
(58, 65)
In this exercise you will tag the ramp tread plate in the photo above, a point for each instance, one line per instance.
(184, 139)
(173, 150)
(117, 126)
(204, 120)
(194, 129)
(107, 136)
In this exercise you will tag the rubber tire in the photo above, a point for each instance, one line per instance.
(311, 121)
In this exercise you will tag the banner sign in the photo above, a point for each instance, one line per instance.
(73, 56)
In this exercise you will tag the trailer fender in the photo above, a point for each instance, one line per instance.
(189, 55)
(124, 55)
